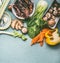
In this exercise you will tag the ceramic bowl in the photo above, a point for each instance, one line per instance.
(13, 11)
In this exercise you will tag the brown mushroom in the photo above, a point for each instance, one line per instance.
(55, 4)
(58, 9)
(51, 22)
(48, 15)
(53, 17)
(55, 12)
(24, 30)
(50, 10)
(55, 8)
(45, 18)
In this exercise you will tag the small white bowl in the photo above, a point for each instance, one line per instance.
(8, 23)
(13, 11)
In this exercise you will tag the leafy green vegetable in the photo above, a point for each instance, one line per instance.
(35, 23)
(33, 30)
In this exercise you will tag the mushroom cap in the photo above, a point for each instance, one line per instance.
(24, 30)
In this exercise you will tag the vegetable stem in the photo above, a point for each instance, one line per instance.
(14, 34)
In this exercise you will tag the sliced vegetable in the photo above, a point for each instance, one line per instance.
(14, 34)
(53, 39)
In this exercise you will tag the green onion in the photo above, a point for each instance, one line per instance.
(35, 23)
(14, 34)
(3, 7)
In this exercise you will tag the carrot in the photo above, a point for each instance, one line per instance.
(45, 30)
(42, 35)
(41, 43)
(39, 38)
(35, 39)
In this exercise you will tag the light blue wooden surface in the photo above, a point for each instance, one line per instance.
(14, 50)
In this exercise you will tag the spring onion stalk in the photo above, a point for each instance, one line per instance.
(35, 23)
(41, 7)
(3, 7)
(14, 34)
